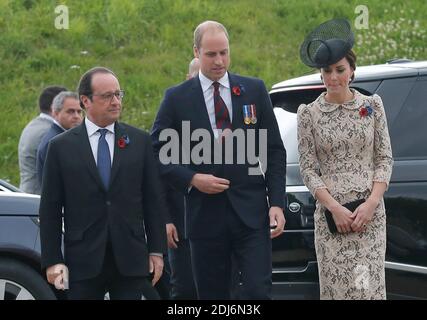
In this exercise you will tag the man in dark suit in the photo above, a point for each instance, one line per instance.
(67, 114)
(104, 177)
(181, 276)
(182, 285)
(227, 210)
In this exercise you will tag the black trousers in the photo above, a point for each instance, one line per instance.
(181, 276)
(118, 286)
(250, 251)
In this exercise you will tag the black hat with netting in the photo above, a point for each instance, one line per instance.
(327, 44)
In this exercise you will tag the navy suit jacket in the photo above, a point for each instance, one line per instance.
(175, 202)
(53, 131)
(129, 213)
(247, 194)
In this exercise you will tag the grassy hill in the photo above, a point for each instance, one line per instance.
(148, 43)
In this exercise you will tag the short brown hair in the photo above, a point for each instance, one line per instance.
(85, 84)
(47, 96)
(351, 58)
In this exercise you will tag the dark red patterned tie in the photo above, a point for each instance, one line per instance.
(222, 116)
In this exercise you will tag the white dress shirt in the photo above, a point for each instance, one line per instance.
(208, 93)
(46, 116)
(93, 134)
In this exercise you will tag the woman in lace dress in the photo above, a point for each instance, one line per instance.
(345, 155)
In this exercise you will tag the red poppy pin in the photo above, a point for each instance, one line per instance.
(365, 111)
(123, 141)
(237, 90)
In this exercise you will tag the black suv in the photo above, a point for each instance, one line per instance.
(20, 272)
(402, 86)
(21, 277)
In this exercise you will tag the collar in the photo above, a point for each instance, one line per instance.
(353, 104)
(93, 128)
(46, 116)
(207, 83)
(59, 125)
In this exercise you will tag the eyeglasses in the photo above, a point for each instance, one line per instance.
(109, 95)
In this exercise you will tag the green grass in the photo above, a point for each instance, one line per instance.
(148, 43)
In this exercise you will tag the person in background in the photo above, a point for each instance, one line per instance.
(67, 114)
(193, 68)
(30, 140)
(179, 255)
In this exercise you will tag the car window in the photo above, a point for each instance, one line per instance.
(4, 189)
(287, 122)
(286, 104)
(366, 87)
(409, 130)
(7, 187)
(290, 100)
(394, 93)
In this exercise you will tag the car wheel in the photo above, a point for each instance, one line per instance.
(21, 282)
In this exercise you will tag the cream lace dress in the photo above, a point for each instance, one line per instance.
(346, 151)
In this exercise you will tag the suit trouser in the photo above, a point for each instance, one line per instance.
(163, 286)
(181, 277)
(110, 280)
(212, 260)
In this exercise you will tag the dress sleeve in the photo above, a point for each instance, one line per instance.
(383, 159)
(308, 161)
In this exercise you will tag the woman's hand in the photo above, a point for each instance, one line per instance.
(363, 215)
(342, 218)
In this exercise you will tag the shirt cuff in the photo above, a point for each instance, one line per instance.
(156, 254)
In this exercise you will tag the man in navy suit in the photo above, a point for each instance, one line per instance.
(229, 210)
(182, 285)
(102, 178)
